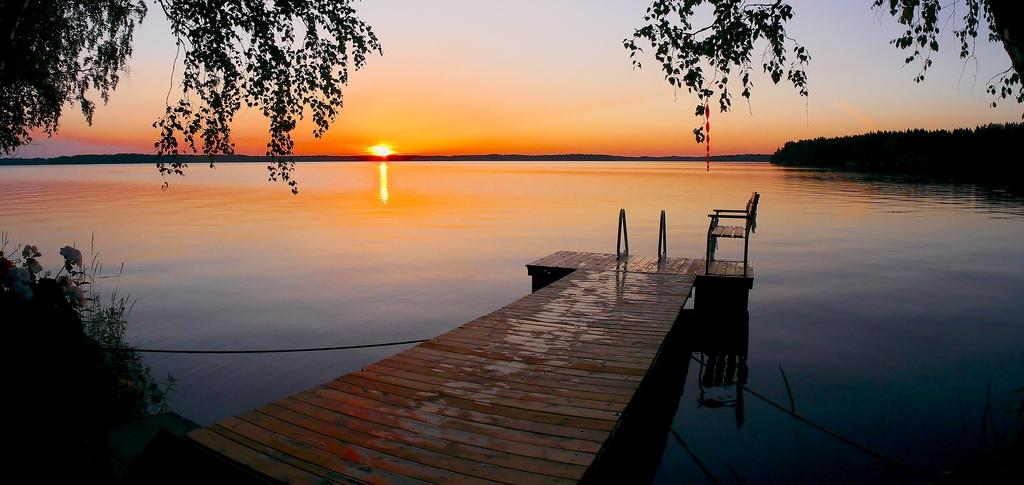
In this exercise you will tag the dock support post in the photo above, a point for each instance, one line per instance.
(544, 276)
(721, 293)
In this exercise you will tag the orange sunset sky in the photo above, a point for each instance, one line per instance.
(542, 77)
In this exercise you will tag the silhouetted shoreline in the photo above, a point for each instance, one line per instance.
(130, 158)
(983, 153)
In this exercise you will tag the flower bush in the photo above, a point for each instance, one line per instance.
(26, 287)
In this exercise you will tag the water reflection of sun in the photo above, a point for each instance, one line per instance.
(382, 182)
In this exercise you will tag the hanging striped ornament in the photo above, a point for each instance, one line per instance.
(707, 133)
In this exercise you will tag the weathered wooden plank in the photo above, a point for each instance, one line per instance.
(340, 391)
(542, 410)
(626, 320)
(638, 264)
(589, 333)
(542, 347)
(729, 231)
(478, 403)
(635, 349)
(466, 459)
(354, 462)
(630, 325)
(510, 381)
(451, 418)
(266, 460)
(504, 367)
(493, 438)
(454, 382)
(620, 336)
(516, 456)
(594, 366)
(319, 448)
(513, 364)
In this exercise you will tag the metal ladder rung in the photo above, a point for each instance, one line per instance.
(662, 240)
(623, 237)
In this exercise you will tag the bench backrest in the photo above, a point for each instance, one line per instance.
(752, 210)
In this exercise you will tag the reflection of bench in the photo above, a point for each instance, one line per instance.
(717, 230)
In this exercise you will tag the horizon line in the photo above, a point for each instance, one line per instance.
(392, 157)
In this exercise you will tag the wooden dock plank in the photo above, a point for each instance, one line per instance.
(485, 366)
(268, 461)
(515, 460)
(480, 436)
(555, 370)
(589, 334)
(525, 394)
(512, 328)
(320, 448)
(486, 393)
(592, 366)
(537, 382)
(643, 264)
(538, 411)
(352, 403)
(572, 394)
(538, 339)
(340, 391)
(539, 346)
(466, 459)
(301, 455)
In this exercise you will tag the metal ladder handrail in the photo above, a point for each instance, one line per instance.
(623, 236)
(662, 240)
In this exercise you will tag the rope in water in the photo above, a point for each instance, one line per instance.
(843, 439)
(260, 351)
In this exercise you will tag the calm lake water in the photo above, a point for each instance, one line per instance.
(891, 304)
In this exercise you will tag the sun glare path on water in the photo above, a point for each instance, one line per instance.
(381, 150)
(382, 183)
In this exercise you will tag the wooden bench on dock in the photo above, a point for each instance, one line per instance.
(748, 216)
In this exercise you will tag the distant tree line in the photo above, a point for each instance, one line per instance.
(986, 151)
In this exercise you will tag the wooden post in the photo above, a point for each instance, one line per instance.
(722, 294)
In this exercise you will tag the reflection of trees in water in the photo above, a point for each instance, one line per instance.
(998, 195)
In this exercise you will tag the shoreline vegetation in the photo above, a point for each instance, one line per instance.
(981, 153)
(136, 158)
(75, 364)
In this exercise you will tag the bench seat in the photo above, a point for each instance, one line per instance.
(729, 231)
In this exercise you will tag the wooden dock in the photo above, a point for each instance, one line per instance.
(533, 392)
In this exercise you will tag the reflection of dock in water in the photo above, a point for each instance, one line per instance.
(722, 362)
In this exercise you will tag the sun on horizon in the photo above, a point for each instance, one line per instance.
(381, 150)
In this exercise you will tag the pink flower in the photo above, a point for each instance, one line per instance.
(74, 294)
(72, 291)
